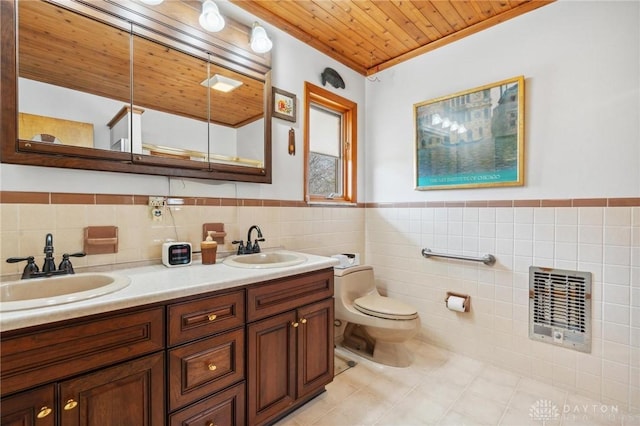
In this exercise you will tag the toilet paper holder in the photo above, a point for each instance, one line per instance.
(467, 299)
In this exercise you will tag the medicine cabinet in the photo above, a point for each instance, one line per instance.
(127, 87)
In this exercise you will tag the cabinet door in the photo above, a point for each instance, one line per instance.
(315, 347)
(127, 394)
(30, 408)
(271, 366)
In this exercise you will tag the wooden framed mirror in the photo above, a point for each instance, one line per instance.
(128, 88)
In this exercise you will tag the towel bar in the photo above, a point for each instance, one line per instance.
(487, 259)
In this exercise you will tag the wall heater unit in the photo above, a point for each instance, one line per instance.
(560, 307)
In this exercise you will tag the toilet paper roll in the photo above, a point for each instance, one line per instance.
(455, 303)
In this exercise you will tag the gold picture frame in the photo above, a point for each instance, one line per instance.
(471, 139)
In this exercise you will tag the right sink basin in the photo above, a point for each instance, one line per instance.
(276, 259)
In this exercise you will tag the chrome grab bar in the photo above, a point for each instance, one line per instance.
(487, 259)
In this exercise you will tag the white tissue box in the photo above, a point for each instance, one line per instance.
(347, 260)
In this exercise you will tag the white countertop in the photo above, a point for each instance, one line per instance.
(157, 283)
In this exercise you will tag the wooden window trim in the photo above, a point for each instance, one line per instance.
(349, 110)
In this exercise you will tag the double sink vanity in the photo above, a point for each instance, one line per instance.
(244, 341)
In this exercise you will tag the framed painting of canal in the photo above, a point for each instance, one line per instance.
(471, 139)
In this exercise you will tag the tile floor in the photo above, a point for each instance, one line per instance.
(443, 388)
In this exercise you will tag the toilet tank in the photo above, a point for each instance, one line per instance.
(352, 283)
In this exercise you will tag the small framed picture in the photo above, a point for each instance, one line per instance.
(284, 105)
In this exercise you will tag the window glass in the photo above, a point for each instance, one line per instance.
(325, 146)
(330, 146)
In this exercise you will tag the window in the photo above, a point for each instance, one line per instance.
(330, 146)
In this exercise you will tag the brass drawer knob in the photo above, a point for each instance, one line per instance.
(212, 317)
(211, 424)
(212, 367)
(295, 324)
(44, 412)
(70, 405)
(303, 320)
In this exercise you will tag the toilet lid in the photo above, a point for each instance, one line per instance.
(385, 307)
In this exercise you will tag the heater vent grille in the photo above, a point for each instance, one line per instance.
(560, 307)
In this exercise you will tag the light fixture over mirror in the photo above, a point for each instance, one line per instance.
(210, 18)
(260, 41)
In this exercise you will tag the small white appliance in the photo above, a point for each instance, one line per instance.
(176, 254)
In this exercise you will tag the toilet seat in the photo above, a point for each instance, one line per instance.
(385, 307)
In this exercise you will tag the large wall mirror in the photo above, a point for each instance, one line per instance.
(121, 87)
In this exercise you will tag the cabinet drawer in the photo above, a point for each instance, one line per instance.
(268, 299)
(204, 317)
(223, 409)
(205, 367)
(43, 356)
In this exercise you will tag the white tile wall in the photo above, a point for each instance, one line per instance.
(603, 241)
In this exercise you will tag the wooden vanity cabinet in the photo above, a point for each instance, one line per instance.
(205, 359)
(245, 356)
(93, 371)
(289, 343)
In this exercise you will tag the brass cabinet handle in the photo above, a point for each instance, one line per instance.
(295, 324)
(44, 412)
(212, 317)
(212, 367)
(211, 424)
(70, 405)
(303, 320)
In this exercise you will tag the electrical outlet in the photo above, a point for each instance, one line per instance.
(156, 206)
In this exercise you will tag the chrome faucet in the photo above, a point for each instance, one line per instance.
(49, 266)
(250, 248)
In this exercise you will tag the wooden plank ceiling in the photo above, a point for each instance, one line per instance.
(371, 35)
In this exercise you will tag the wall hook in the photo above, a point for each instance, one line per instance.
(292, 141)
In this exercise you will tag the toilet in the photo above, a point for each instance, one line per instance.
(376, 326)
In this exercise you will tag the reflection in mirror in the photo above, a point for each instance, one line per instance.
(181, 102)
(102, 89)
(73, 73)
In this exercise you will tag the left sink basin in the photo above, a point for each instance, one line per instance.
(51, 291)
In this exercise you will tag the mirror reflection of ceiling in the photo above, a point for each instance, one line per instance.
(58, 47)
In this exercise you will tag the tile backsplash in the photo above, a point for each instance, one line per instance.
(323, 231)
(576, 235)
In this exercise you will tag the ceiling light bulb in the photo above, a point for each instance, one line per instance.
(152, 2)
(260, 42)
(210, 18)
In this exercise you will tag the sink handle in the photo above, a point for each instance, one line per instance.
(66, 265)
(240, 246)
(256, 246)
(20, 259)
(31, 267)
